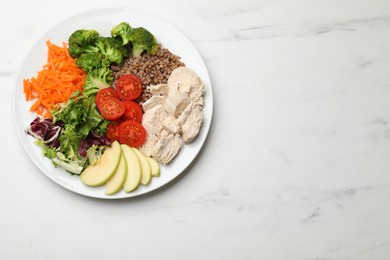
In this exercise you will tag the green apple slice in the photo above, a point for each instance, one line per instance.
(154, 166)
(133, 169)
(146, 171)
(99, 173)
(115, 184)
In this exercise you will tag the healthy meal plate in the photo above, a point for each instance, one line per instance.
(113, 103)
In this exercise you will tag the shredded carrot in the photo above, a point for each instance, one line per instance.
(56, 82)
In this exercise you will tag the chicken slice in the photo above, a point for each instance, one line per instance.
(171, 125)
(188, 82)
(153, 118)
(159, 89)
(191, 121)
(152, 102)
(167, 146)
(176, 102)
(152, 121)
(151, 139)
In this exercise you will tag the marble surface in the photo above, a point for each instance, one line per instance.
(297, 162)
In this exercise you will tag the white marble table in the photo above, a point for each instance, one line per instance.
(297, 163)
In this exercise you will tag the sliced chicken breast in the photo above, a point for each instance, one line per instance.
(152, 102)
(152, 121)
(175, 102)
(191, 121)
(173, 115)
(167, 146)
(188, 82)
(159, 89)
(171, 124)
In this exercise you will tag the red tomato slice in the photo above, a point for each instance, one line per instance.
(132, 133)
(133, 111)
(111, 108)
(113, 132)
(128, 87)
(106, 92)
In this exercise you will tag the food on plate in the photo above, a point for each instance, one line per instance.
(116, 182)
(150, 69)
(91, 61)
(98, 79)
(80, 41)
(59, 78)
(122, 32)
(131, 133)
(133, 111)
(99, 173)
(46, 131)
(111, 108)
(146, 175)
(165, 147)
(186, 81)
(128, 105)
(89, 43)
(134, 171)
(140, 38)
(105, 92)
(154, 166)
(173, 115)
(191, 121)
(113, 132)
(121, 167)
(128, 87)
(77, 127)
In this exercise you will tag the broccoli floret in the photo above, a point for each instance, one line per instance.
(82, 41)
(112, 49)
(122, 32)
(143, 40)
(97, 79)
(91, 61)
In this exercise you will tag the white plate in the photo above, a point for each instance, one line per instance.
(103, 20)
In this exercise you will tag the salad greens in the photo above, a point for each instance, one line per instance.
(80, 117)
(81, 128)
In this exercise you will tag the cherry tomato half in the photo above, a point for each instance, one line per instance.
(128, 87)
(105, 92)
(132, 133)
(133, 111)
(111, 108)
(113, 132)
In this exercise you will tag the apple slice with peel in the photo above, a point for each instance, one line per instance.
(154, 166)
(99, 173)
(115, 184)
(133, 169)
(145, 167)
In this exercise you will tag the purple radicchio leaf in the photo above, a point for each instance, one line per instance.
(92, 139)
(46, 130)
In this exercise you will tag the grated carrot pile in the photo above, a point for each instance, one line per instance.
(56, 82)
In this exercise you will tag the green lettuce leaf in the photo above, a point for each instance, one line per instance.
(80, 116)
